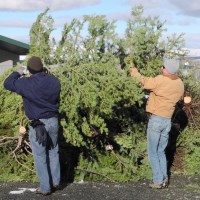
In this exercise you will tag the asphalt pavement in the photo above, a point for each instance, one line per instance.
(181, 188)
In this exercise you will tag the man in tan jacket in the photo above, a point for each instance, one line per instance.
(165, 91)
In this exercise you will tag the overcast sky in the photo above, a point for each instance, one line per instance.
(182, 16)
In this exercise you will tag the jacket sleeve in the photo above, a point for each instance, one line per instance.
(148, 83)
(9, 83)
(13, 83)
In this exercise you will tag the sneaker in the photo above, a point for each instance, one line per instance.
(156, 186)
(38, 191)
(165, 182)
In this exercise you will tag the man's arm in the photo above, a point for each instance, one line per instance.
(148, 83)
(9, 83)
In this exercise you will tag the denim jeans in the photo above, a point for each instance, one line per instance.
(46, 161)
(157, 139)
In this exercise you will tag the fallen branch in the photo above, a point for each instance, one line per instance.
(14, 155)
(19, 144)
(8, 138)
(92, 172)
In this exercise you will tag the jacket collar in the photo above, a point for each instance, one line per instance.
(172, 76)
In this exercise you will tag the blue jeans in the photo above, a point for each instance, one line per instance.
(157, 139)
(46, 161)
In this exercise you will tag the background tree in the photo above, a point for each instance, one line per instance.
(40, 42)
(145, 42)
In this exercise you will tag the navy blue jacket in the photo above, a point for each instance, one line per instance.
(40, 93)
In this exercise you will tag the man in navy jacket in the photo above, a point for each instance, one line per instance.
(40, 92)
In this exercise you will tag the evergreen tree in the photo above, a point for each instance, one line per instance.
(40, 42)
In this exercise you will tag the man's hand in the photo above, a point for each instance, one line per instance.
(22, 70)
(134, 71)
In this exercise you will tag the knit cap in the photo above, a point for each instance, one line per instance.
(35, 65)
(171, 65)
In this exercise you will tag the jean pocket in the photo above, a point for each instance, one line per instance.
(155, 124)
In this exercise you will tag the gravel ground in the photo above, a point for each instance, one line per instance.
(181, 188)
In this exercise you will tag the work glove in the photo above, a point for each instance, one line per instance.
(22, 70)
(42, 136)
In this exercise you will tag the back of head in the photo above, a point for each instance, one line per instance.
(35, 65)
(171, 65)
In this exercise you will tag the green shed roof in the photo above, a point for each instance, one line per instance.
(13, 46)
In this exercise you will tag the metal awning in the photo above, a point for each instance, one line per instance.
(13, 46)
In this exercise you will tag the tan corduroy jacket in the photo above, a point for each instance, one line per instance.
(165, 92)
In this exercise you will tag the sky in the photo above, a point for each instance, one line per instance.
(181, 16)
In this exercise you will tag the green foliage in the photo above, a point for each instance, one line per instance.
(190, 139)
(192, 86)
(11, 109)
(68, 50)
(11, 116)
(192, 89)
(98, 46)
(11, 170)
(40, 44)
(91, 97)
(145, 43)
(110, 166)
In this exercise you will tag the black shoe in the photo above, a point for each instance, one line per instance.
(38, 191)
(56, 187)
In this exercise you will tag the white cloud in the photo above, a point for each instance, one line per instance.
(124, 16)
(63, 4)
(186, 5)
(192, 39)
(33, 5)
(16, 23)
(188, 22)
(180, 7)
(191, 7)
(22, 5)
(145, 3)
